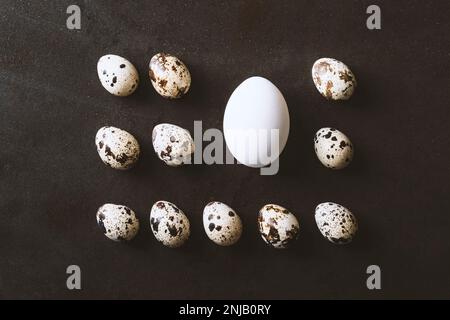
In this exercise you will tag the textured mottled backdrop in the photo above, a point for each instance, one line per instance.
(52, 180)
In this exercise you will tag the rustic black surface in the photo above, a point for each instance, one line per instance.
(52, 180)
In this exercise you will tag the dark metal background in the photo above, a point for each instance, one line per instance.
(52, 180)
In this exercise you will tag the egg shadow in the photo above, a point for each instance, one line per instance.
(298, 152)
(199, 85)
(367, 93)
(304, 247)
(144, 240)
(366, 238)
(359, 165)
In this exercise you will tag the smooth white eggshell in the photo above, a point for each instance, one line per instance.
(255, 110)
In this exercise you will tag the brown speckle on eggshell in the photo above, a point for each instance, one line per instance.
(169, 76)
(333, 79)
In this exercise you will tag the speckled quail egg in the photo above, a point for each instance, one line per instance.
(117, 222)
(117, 148)
(169, 224)
(278, 227)
(333, 79)
(333, 148)
(172, 144)
(117, 75)
(335, 222)
(169, 75)
(222, 225)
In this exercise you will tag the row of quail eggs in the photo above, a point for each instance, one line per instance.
(277, 225)
(335, 81)
(169, 75)
(174, 145)
(120, 150)
(171, 79)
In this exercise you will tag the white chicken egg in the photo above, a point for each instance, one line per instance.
(333, 148)
(173, 144)
(169, 224)
(256, 122)
(117, 148)
(222, 224)
(117, 222)
(117, 75)
(335, 222)
(277, 225)
(333, 79)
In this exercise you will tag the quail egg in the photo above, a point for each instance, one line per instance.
(333, 148)
(172, 144)
(333, 79)
(117, 148)
(117, 75)
(278, 227)
(169, 75)
(169, 224)
(222, 224)
(117, 222)
(335, 222)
